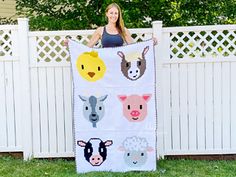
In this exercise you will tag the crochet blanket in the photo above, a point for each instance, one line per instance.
(114, 107)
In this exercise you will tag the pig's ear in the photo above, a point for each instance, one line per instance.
(147, 97)
(122, 98)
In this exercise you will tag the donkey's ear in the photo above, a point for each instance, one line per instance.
(145, 50)
(121, 54)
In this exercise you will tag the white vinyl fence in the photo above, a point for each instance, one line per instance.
(196, 89)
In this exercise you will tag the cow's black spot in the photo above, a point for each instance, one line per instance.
(88, 151)
(102, 150)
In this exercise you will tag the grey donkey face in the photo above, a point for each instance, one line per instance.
(93, 108)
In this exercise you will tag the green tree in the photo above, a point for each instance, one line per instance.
(87, 14)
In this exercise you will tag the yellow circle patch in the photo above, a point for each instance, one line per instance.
(90, 66)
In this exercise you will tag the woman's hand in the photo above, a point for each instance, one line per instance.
(65, 42)
(155, 41)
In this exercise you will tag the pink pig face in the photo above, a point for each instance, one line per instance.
(135, 106)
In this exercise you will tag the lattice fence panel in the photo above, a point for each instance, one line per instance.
(5, 43)
(51, 48)
(192, 44)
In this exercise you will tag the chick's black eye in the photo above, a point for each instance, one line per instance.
(128, 154)
(99, 68)
(86, 108)
(100, 108)
(82, 66)
(128, 106)
(142, 154)
(141, 106)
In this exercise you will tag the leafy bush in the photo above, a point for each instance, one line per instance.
(87, 14)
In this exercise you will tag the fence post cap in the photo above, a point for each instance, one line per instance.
(22, 19)
(156, 22)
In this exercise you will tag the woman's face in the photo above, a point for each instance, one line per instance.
(112, 15)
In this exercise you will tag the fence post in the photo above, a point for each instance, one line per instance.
(23, 29)
(157, 33)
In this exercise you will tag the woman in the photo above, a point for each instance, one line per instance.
(114, 33)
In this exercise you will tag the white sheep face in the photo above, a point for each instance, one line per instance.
(135, 158)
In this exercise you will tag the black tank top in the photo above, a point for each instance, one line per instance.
(111, 40)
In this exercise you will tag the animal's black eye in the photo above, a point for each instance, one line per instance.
(139, 63)
(99, 68)
(141, 106)
(127, 65)
(86, 108)
(100, 108)
(142, 154)
(82, 66)
(130, 72)
(128, 154)
(128, 106)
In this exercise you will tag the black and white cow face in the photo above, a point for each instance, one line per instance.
(95, 151)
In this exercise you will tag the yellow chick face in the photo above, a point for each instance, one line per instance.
(90, 66)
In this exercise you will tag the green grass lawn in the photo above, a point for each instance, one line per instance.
(10, 166)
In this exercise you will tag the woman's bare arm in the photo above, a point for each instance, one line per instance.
(128, 38)
(95, 37)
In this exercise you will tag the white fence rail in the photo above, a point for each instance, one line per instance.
(196, 89)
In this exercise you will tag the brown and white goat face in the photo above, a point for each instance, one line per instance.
(133, 68)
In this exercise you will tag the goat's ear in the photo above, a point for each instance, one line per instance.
(121, 54)
(102, 98)
(145, 50)
(83, 98)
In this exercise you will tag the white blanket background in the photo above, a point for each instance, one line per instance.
(114, 108)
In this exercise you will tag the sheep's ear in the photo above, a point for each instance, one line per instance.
(81, 143)
(121, 148)
(108, 142)
(145, 50)
(121, 54)
(150, 149)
